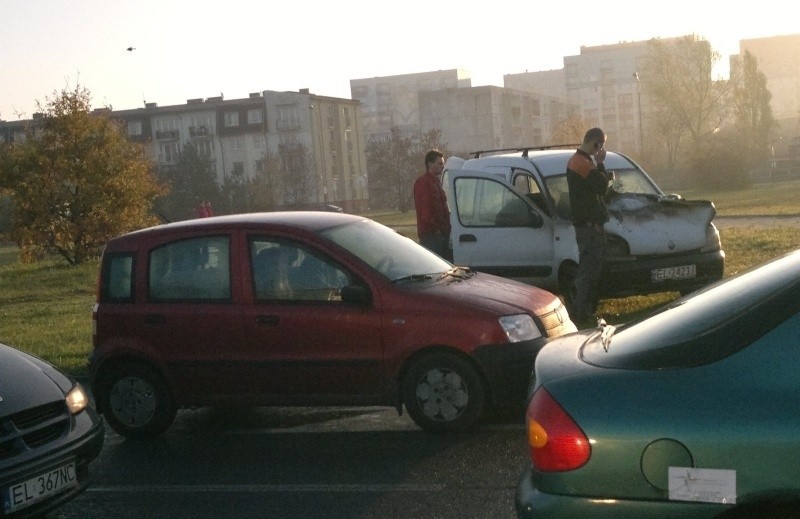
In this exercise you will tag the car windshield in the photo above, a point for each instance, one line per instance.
(707, 325)
(387, 251)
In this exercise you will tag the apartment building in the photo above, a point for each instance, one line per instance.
(393, 101)
(491, 117)
(779, 59)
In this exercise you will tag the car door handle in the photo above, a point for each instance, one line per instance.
(467, 238)
(155, 319)
(270, 320)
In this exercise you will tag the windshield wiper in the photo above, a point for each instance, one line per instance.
(607, 330)
(458, 272)
(413, 277)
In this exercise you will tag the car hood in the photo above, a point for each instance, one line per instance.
(26, 382)
(496, 294)
(659, 225)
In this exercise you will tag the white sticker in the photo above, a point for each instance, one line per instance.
(706, 485)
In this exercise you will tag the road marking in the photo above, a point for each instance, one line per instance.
(254, 489)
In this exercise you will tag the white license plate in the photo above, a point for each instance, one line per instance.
(37, 488)
(681, 272)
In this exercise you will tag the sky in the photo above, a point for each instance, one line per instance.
(185, 50)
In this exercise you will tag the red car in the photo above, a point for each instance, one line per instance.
(306, 308)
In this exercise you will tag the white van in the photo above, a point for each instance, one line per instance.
(510, 216)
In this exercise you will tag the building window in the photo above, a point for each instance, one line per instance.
(238, 144)
(205, 147)
(134, 127)
(168, 152)
(255, 116)
(238, 168)
(231, 119)
(258, 142)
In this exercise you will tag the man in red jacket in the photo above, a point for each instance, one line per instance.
(433, 217)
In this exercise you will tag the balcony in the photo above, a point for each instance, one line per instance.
(167, 135)
(198, 131)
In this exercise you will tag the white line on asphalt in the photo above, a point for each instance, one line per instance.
(128, 489)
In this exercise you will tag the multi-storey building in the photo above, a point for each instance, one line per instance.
(490, 117)
(393, 101)
(318, 137)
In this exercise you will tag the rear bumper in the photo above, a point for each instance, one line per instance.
(627, 278)
(530, 502)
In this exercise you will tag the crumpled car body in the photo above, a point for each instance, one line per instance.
(510, 216)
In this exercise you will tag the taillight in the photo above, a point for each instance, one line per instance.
(556, 442)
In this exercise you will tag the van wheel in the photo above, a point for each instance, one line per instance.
(135, 401)
(568, 285)
(443, 392)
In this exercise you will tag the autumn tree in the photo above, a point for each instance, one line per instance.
(688, 106)
(297, 177)
(569, 131)
(76, 181)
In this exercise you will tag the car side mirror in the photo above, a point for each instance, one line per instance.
(357, 294)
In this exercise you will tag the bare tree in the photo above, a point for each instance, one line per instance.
(752, 110)
(298, 180)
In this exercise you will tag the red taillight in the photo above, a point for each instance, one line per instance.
(556, 442)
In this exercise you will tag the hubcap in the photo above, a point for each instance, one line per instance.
(133, 401)
(442, 395)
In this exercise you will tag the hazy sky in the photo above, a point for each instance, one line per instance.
(186, 50)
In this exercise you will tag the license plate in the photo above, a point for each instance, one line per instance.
(682, 272)
(37, 488)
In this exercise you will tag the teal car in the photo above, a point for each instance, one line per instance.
(693, 411)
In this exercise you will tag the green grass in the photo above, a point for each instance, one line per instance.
(45, 308)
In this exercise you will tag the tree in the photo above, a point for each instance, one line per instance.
(676, 78)
(752, 110)
(297, 178)
(191, 180)
(569, 131)
(76, 181)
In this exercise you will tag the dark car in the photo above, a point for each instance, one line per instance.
(306, 308)
(48, 435)
(690, 412)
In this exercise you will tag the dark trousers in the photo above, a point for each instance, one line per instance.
(439, 244)
(591, 256)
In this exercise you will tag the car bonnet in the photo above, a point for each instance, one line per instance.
(25, 382)
(496, 294)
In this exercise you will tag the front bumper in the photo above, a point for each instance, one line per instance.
(633, 277)
(530, 502)
(82, 444)
(508, 369)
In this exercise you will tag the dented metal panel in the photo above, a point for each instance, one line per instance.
(659, 225)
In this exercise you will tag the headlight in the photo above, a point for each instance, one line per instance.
(77, 399)
(520, 327)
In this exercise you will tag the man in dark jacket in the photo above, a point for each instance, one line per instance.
(588, 184)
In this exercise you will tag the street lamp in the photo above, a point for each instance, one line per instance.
(639, 98)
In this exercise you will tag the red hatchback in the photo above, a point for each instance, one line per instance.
(306, 308)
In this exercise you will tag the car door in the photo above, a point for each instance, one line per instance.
(190, 320)
(316, 346)
(498, 230)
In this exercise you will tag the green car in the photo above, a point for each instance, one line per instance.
(693, 411)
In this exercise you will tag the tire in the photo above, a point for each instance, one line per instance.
(135, 401)
(443, 392)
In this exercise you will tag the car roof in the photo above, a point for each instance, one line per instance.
(313, 221)
(548, 162)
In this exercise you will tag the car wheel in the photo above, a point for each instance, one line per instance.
(443, 392)
(135, 401)
(568, 285)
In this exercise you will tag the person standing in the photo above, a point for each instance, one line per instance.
(588, 183)
(430, 202)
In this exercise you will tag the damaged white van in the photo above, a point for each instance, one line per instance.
(510, 216)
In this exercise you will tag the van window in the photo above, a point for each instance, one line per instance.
(117, 278)
(194, 269)
(285, 270)
(482, 202)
